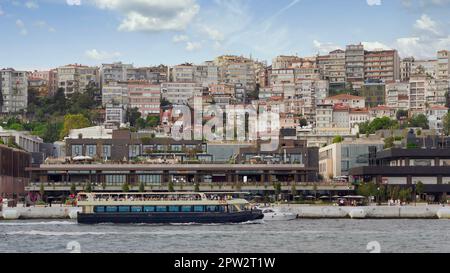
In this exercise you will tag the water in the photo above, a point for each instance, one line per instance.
(298, 236)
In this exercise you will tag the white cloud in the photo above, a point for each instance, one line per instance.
(374, 2)
(325, 48)
(31, 5)
(44, 25)
(425, 23)
(96, 55)
(373, 46)
(1, 11)
(73, 2)
(152, 15)
(193, 46)
(21, 26)
(180, 38)
(213, 33)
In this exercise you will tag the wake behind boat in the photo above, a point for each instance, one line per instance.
(164, 208)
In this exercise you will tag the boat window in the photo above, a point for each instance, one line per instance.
(161, 208)
(199, 208)
(186, 208)
(212, 208)
(111, 209)
(149, 209)
(136, 209)
(124, 209)
(99, 209)
(174, 208)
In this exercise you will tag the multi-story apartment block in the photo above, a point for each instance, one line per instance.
(115, 114)
(181, 93)
(14, 91)
(336, 68)
(312, 91)
(347, 100)
(420, 87)
(374, 93)
(382, 65)
(115, 72)
(428, 67)
(282, 76)
(324, 115)
(115, 93)
(51, 80)
(146, 97)
(76, 78)
(183, 73)
(443, 67)
(354, 64)
(284, 62)
(397, 95)
(154, 75)
(406, 68)
(436, 115)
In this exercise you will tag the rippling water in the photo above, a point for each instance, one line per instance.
(294, 236)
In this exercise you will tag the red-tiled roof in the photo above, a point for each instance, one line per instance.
(344, 97)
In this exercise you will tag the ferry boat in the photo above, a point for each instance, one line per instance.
(164, 208)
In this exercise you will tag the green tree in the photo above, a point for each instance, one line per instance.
(141, 187)
(125, 187)
(293, 190)
(171, 188)
(88, 187)
(446, 124)
(73, 188)
(153, 121)
(420, 189)
(419, 121)
(367, 189)
(389, 143)
(132, 116)
(338, 139)
(42, 190)
(76, 121)
(303, 122)
(197, 187)
(277, 187)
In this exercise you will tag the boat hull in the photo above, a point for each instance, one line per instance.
(169, 218)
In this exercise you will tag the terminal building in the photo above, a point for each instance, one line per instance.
(407, 167)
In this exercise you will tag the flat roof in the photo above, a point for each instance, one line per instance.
(171, 167)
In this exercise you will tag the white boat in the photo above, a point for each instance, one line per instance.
(276, 215)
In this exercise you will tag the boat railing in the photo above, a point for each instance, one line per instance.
(150, 198)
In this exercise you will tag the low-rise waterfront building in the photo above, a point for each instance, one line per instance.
(13, 174)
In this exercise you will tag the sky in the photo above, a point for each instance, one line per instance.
(43, 34)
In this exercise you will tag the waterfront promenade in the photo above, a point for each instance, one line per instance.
(302, 211)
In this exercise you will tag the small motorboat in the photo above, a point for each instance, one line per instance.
(276, 215)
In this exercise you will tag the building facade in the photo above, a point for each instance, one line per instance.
(13, 90)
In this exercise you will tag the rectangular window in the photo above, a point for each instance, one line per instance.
(212, 208)
(174, 209)
(186, 208)
(199, 208)
(99, 209)
(149, 209)
(111, 209)
(107, 151)
(136, 209)
(161, 208)
(77, 150)
(124, 209)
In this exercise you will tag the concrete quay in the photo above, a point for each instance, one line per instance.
(28, 213)
(369, 212)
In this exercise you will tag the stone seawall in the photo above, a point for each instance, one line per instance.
(370, 212)
(40, 212)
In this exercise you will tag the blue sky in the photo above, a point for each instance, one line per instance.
(41, 34)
